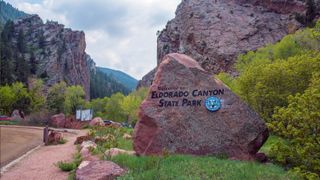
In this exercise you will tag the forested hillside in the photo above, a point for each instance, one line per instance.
(102, 85)
(125, 79)
(9, 13)
(281, 82)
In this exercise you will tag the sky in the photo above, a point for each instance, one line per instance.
(120, 34)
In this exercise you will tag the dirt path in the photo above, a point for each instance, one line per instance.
(40, 163)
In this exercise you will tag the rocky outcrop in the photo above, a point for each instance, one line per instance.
(215, 32)
(55, 137)
(58, 120)
(147, 79)
(98, 170)
(58, 52)
(187, 111)
(116, 151)
(97, 121)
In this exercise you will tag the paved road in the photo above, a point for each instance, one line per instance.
(40, 163)
(15, 141)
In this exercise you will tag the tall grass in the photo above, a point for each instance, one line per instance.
(196, 167)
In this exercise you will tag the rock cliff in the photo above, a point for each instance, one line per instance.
(215, 32)
(59, 52)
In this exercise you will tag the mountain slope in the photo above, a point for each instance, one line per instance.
(7, 12)
(123, 78)
(101, 85)
(43, 50)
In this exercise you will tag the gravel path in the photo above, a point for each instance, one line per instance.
(40, 163)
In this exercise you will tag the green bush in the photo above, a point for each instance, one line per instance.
(299, 124)
(281, 82)
(66, 166)
(118, 107)
(267, 86)
(62, 141)
(113, 139)
(70, 166)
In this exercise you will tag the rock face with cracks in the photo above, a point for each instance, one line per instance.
(174, 118)
(215, 32)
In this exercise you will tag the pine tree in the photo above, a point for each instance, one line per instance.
(22, 69)
(6, 55)
(33, 64)
(21, 42)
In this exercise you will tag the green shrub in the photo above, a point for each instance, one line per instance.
(113, 139)
(267, 86)
(281, 82)
(299, 124)
(70, 166)
(9, 122)
(66, 166)
(62, 141)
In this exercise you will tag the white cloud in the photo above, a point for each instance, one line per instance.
(120, 34)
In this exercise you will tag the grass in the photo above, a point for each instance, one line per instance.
(187, 166)
(196, 167)
(9, 122)
(114, 139)
(71, 166)
(62, 141)
(272, 140)
(66, 166)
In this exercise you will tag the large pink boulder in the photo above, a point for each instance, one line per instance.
(58, 120)
(188, 111)
(97, 121)
(99, 170)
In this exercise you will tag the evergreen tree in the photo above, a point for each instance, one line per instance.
(311, 11)
(6, 55)
(22, 69)
(21, 42)
(33, 64)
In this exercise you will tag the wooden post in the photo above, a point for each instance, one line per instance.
(45, 135)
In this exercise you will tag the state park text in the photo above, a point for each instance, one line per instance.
(185, 98)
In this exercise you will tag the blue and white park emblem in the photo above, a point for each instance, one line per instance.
(213, 103)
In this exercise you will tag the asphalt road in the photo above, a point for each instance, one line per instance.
(15, 141)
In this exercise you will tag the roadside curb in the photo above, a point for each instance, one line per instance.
(72, 131)
(14, 162)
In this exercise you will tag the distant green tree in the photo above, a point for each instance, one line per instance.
(56, 97)
(36, 95)
(7, 99)
(98, 107)
(113, 108)
(74, 98)
(22, 97)
(131, 103)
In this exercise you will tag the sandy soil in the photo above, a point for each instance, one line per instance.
(40, 163)
(14, 142)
